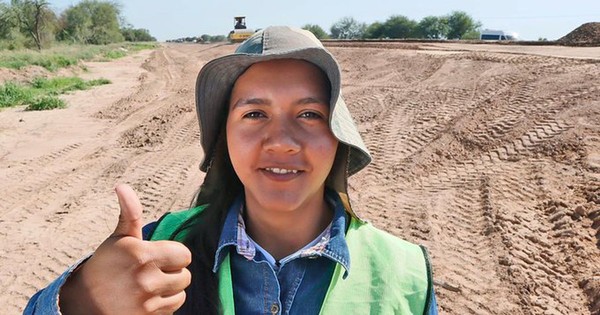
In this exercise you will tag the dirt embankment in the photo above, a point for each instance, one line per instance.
(586, 34)
(491, 159)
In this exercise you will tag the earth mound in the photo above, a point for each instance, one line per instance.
(586, 35)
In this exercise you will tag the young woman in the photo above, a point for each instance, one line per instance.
(272, 230)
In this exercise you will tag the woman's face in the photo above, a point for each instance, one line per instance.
(278, 135)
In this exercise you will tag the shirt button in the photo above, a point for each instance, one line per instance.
(274, 308)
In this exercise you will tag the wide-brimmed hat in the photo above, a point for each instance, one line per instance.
(216, 79)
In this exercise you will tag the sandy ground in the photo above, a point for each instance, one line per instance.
(488, 155)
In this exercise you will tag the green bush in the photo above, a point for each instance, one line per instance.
(115, 54)
(98, 82)
(67, 55)
(141, 46)
(12, 94)
(60, 85)
(40, 93)
(23, 58)
(46, 103)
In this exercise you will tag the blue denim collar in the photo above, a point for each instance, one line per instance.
(336, 249)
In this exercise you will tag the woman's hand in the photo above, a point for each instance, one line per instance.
(127, 275)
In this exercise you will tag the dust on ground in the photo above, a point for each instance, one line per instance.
(489, 158)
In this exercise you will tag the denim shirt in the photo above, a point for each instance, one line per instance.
(298, 286)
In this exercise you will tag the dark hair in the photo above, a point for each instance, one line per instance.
(202, 296)
(218, 191)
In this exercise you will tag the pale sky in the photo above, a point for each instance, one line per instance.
(531, 19)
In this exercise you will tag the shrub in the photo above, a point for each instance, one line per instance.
(115, 54)
(60, 85)
(12, 94)
(46, 103)
(40, 93)
(141, 46)
(101, 81)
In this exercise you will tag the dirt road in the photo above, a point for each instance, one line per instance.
(491, 158)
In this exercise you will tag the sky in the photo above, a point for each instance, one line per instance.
(530, 19)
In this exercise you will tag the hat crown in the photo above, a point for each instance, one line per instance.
(277, 40)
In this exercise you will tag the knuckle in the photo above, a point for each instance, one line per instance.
(180, 300)
(187, 280)
(148, 307)
(184, 253)
(145, 284)
(134, 252)
(176, 302)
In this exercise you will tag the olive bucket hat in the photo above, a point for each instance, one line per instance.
(216, 79)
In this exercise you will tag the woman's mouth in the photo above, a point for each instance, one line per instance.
(280, 170)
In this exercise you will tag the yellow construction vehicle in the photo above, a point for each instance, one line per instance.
(240, 31)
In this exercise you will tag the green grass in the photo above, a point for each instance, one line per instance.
(12, 94)
(142, 45)
(62, 55)
(115, 54)
(49, 60)
(41, 93)
(61, 85)
(46, 103)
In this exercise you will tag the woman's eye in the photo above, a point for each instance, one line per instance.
(254, 115)
(311, 115)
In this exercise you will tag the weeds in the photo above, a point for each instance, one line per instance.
(46, 102)
(68, 55)
(12, 94)
(115, 54)
(41, 93)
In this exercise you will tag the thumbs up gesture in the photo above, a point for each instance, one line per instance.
(127, 275)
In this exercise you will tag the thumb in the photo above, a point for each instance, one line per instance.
(130, 218)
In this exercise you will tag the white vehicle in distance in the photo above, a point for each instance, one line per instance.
(498, 35)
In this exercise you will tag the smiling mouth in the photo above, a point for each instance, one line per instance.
(281, 171)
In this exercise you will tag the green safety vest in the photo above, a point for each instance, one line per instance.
(388, 275)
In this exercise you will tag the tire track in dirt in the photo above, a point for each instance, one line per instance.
(80, 198)
(403, 132)
(474, 240)
(461, 164)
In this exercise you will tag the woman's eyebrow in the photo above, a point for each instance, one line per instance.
(261, 101)
(251, 101)
(312, 100)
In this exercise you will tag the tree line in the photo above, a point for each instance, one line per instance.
(456, 25)
(33, 24)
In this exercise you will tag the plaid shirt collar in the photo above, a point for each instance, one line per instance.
(331, 242)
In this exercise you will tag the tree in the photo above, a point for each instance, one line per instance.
(460, 23)
(316, 30)
(92, 22)
(205, 38)
(347, 28)
(136, 34)
(433, 27)
(375, 30)
(474, 34)
(7, 23)
(399, 26)
(34, 19)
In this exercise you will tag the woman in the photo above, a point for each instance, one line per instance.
(272, 229)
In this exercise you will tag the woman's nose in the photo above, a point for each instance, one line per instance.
(281, 136)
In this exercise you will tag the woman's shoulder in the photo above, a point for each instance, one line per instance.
(367, 232)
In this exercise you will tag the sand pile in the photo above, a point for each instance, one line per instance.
(585, 35)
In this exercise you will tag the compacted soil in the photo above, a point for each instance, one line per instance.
(488, 155)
